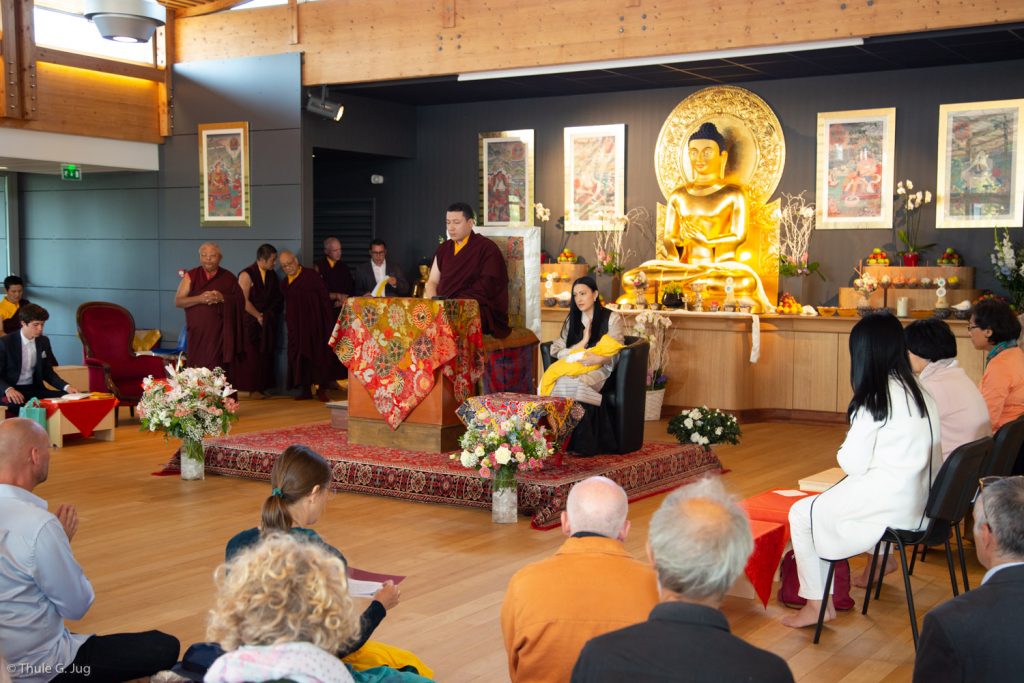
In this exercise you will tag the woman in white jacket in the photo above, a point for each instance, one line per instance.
(891, 453)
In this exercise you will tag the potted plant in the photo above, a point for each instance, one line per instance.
(908, 212)
(1008, 268)
(672, 295)
(497, 447)
(796, 225)
(657, 329)
(704, 426)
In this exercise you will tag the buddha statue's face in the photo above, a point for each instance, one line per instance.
(706, 158)
(424, 271)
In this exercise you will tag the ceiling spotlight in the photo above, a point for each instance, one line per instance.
(323, 106)
(126, 21)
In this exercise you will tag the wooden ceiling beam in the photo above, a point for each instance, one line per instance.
(207, 8)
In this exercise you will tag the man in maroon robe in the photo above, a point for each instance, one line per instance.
(470, 266)
(214, 306)
(336, 275)
(309, 318)
(263, 301)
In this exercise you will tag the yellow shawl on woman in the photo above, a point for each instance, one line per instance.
(570, 367)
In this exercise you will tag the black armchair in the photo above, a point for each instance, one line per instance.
(623, 393)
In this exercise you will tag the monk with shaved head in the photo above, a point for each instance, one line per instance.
(41, 583)
(214, 305)
(309, 318)
(336, 275)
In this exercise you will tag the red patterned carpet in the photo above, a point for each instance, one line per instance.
(434, 478)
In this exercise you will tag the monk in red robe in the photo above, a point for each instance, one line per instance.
(336, 275)
(309, 318)
(470, 266)
(214, 306)
(263, 302)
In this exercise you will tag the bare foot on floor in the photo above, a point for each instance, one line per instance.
(862, 580)
(808, 615)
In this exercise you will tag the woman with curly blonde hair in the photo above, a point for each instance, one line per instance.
(283, 609)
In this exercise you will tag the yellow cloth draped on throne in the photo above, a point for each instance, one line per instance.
(606, 347)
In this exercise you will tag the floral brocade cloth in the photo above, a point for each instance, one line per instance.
(393, 346)
(563, 414)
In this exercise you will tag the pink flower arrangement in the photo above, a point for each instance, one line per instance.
(494, 442)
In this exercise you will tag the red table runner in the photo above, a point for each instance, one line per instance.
(772, 507)
(392, 346)
(769, 542)
(84, 413)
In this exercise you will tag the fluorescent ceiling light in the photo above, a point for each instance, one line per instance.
(663, 59)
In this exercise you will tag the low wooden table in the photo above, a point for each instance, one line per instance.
(90, 417)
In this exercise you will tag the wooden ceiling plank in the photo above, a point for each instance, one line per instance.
(111, 66)
(207, 8)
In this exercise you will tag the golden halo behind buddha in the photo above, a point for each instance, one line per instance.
(756, 146)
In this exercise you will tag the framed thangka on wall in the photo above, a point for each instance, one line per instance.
(981, 165)
(855, 168)
(224, 174)
(506, 177)
(595, 175)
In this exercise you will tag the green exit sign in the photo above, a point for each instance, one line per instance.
(70, 172)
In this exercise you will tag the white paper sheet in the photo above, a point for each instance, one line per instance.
(363, 589)
(790, 493)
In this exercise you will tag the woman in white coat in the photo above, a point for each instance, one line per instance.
(891, 453)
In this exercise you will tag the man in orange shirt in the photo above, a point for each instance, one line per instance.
(591, 586)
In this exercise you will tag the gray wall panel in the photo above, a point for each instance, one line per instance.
(96, 214)
(62, 304)
(265, 91)
(90, 181)
(275, 215)
(274, 158)
(67, 349)
(85, 264)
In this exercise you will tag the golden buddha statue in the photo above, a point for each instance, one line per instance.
(419, 287)
(718, 159)
(706, 221)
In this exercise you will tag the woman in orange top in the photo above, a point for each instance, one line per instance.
(994, 328)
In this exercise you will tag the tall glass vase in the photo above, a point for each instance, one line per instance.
(193, 463)
(504, 506)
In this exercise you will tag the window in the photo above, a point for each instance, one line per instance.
(63, 30)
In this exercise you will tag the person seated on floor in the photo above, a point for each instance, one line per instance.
(699, 541)
(300, 488)
(283, 609)
(975, 637)
(891, 454)
(962, 410)
(14, 299)
(26, 361)
(994, 329)
(42, 584)
(586, 327)
(591, 585)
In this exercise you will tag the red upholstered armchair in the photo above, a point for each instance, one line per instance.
(107, 331)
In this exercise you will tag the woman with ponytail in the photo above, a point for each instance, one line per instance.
(300, 487)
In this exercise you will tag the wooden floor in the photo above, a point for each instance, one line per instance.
(150, 545)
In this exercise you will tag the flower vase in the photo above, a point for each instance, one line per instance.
(609, 285)
(193, 465)
(504, 506)
(653, 400)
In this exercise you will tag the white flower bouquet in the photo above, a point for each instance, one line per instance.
(704, 426)
(189, 404)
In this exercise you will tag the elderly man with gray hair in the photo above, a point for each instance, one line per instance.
(976, 636)
(592, 585)
(699, 542)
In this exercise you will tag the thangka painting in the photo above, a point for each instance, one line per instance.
(506, 177)
(981, 165)
(595, 175)
(855, 168)
(224, 174)
(521, 249)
